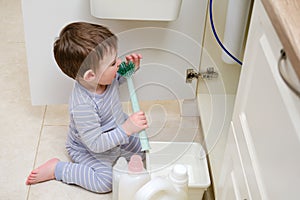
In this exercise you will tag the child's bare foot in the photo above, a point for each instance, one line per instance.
(43, 173)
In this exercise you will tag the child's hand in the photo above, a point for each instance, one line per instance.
(135, 123)
(135, 58)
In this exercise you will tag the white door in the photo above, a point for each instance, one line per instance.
(232, 183)
(266, 117)
(168, 48)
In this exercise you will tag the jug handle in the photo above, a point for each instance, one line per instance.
(147, 191)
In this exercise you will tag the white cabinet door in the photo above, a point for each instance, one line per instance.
(267, 113)
(232, 184)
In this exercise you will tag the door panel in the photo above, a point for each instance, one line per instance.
(266, 116)
(272, 132)
(232, 184)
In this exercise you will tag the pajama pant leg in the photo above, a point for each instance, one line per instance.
(86, 172)
(90, 173)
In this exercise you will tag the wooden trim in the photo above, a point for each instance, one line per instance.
(285, 17)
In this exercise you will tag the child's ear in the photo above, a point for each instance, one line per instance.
(89, 75)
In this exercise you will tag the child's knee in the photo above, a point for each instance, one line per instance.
(103, 184)
(102, 190)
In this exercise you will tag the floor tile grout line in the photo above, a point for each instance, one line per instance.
(38, 146)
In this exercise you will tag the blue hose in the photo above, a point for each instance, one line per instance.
(216, 35)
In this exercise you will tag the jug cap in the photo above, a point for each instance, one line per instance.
(179, 174)
(121, 162)
(121, 165)
(135, 164)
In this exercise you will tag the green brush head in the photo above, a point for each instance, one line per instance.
(125, 69)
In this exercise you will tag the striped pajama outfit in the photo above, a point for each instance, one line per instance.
(95, 139)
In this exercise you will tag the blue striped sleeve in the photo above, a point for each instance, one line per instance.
(96, 137)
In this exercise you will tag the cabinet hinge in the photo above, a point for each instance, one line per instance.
(208, 75)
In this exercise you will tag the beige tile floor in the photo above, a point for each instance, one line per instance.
(30, 135)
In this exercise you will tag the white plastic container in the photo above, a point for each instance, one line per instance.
(175, 187)
(120, 168)
(163, 155)
(136, 177)
(154, 10)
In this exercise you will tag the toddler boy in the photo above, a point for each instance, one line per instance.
(99, 130)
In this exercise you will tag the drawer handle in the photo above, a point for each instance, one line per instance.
(287, 81)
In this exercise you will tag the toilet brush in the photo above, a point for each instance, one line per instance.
(126, 70)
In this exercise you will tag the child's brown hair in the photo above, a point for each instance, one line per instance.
(80, 46)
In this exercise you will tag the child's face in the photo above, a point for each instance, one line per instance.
(108, 68)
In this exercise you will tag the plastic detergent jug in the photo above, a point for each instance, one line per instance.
(119, 169)
(175, 187)
(136, 177)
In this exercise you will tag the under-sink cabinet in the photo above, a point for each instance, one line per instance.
(262, 154)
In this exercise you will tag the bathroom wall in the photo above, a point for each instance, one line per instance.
(168, 48)
(211, 56)
(216, 97)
